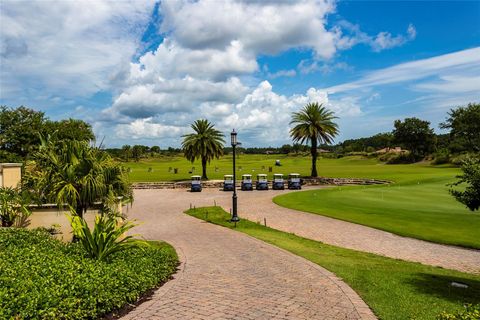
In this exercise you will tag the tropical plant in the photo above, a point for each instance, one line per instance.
(470, 196)
(75, 174)
(313, 124)
(13, 206)
(206, 143)
(108, 235)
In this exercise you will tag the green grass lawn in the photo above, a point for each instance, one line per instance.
(417, 205)
(245, 164)
(394, 289)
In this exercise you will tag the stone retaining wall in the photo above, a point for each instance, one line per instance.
(219, 183)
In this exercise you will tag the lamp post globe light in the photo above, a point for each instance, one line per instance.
(233, 137)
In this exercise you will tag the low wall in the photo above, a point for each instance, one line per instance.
(46, 216)
(219, 183)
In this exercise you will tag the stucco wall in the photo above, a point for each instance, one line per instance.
(46, 217)
(10, 174)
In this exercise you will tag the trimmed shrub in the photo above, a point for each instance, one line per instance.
(442, 156)
(43, 278)
(402, 158)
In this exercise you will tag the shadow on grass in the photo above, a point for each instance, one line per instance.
(441, 286)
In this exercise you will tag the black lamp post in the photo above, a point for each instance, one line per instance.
(233, 137)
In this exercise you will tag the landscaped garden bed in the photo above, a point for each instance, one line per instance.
(394, 289)
(43, 278)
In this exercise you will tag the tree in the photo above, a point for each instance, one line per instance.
(155, 149)
(415, 135)
(313, 124)
(76, 174)
(19, 130)
(206, 143)
(471, 176)
(464, 125)
(286, 149)
(127, 152)
(138, 151)
(71, 129)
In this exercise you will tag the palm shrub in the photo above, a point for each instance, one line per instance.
(13, 206)
(75, 174)
(206, 143)
(107, 237)
(313, 124)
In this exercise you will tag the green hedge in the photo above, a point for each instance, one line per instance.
(43, 278)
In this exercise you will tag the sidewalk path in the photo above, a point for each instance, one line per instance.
(229, 275)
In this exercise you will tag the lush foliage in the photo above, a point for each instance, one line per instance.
(464, 125)
(471, 312)
(470, 196)
(20, 129)
(108, 235)
(13, 206)
(205, 144)
(42, 278)
(76, 174)
(415, 135)
(313, 124)
(394, 289)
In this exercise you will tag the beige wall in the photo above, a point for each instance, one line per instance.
(10, 174)
(46, 217)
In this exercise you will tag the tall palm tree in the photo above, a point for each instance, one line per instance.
(206, 143)
(313, 124)
(76, 174)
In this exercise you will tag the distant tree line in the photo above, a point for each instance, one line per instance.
(20, 129)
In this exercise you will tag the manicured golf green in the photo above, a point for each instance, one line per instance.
(394, 289)
(417, 204)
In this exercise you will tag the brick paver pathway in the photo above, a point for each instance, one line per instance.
(229, 275)
(257, 205)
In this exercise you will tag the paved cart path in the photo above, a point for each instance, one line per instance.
(229, 275)
(257, 205)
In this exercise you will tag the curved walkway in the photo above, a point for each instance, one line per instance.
(229, 275)
(257, 206)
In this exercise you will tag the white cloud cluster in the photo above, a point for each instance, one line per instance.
(262, 27)
(201, 68)
(66, 48)
(205, 67)
(262, 116)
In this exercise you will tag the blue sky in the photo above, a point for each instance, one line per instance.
(141, 71)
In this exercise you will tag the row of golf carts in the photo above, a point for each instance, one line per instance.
(278, 183)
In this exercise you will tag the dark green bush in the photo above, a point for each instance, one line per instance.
(43, 278)
(402, 158)
(442, 156)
